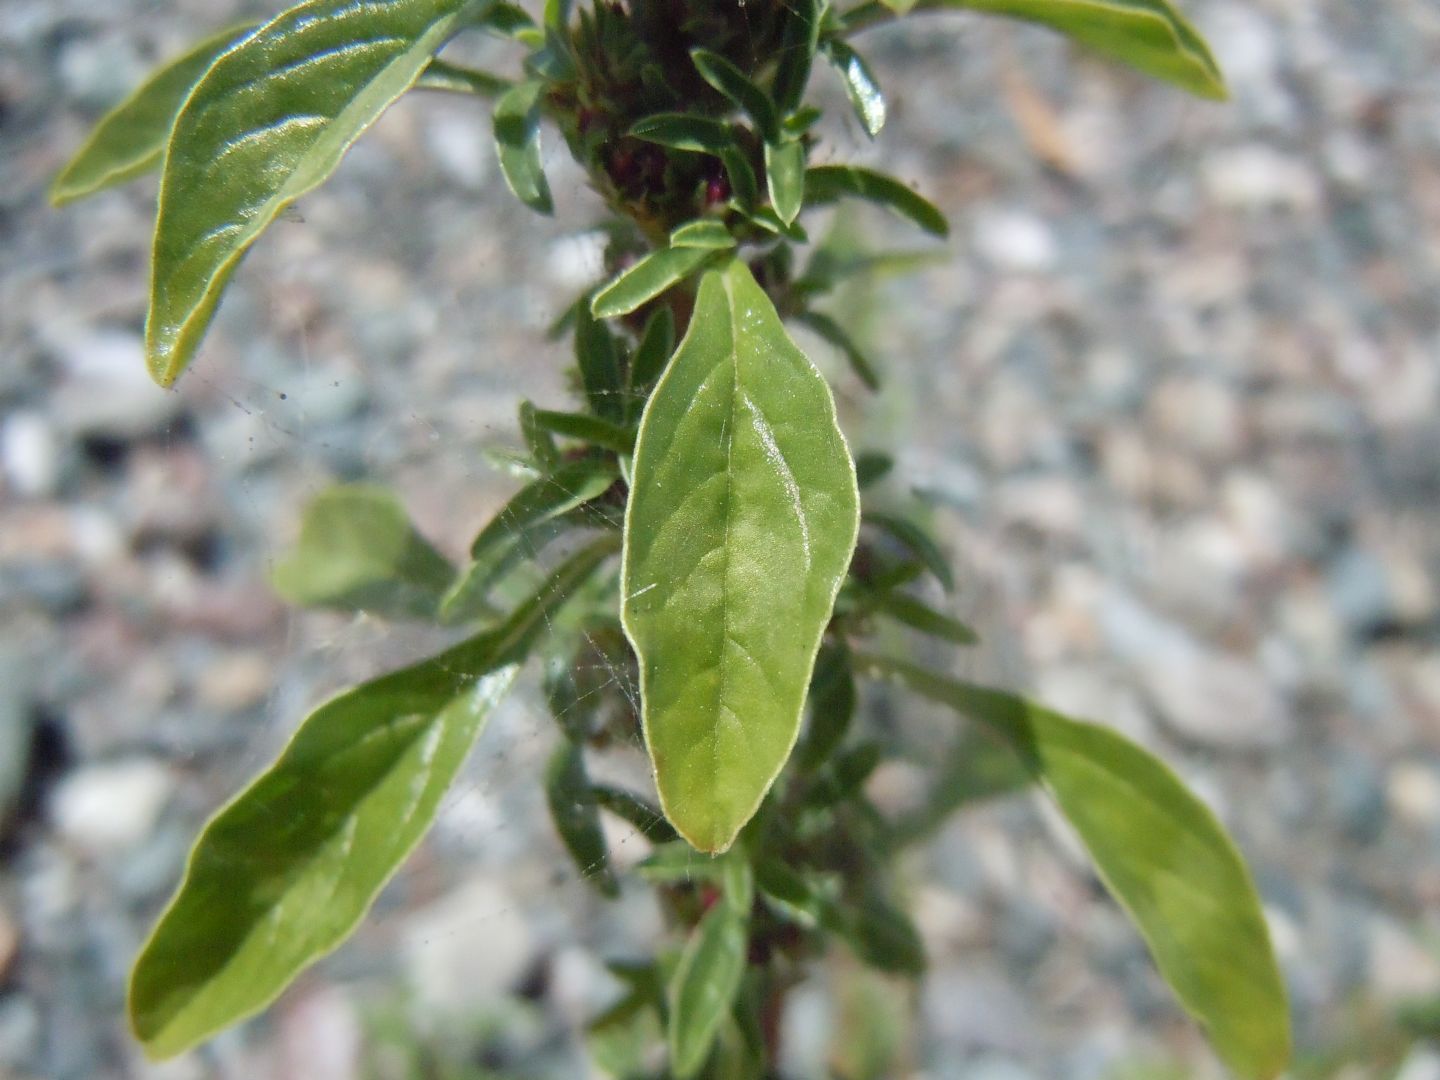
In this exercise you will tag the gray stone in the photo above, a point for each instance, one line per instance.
(466, 949)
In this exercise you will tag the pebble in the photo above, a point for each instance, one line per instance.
(235, 682)
(108, 392)
(1413, 792)
(30, 455)
(466, 949)
(1258, 177)
(1016, 240)
(110, 808)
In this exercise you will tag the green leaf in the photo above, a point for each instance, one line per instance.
(785, 178)
(918, 542)
(598, 357)
(703, 233)
(442, 75)
(798, 42)
(703, 988)
(572, 484)
(130, 138)
(743, 94)
(740, 527)
(1149, 35)
(587, 428)
(358, 551)
(283, 873)
(789, 892)
(517, 141)
(860, 85)
(835, 334)
(832, 706)
(678, 863)
(742, 177)
(634, 810)
(1163, 855)
(918, 616)
(653, 351)
(827, 183)
(268, 122)
(682, 131)
(737, 880)
(647, 279)
(884, 938)
(538, 441)
(871, 467)
(576, 814)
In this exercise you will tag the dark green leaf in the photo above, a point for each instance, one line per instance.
(835, 334)
(283, 873)
(827, 183)
(575, 812)
(653, 352)
(743, 94)
(860, 85)
(918, 616)
(740, 528)
(517, 142)
(884, 937)
(849, 769)
(647, 279)
(587, 689)
(797, 52)
(767, 219)
(682, 131)
(634, 810)
(785, 178)
(831, 704)
(538, 441)
(269, 121)
(597, 354)
(587, 428)
(871, 467)
(789, 892)
(919, 543)
(1163, 855)
(703, 987)
(706, 233)
(742, 177)
(358, 551)
(130, 138)
(572, 484)
(442, 75)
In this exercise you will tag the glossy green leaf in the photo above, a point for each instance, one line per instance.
(576, 814)
(647, 279)
(740, 526)
(831, 705)
(358, 551)
(1149, 35)
(703, 988)
(785, 178)
(704, 233)
(835, 334)
(587, 428)
(871, 466)
(282, 874)
(130, 139)
(860, 85)
(798, 42)
(743, 94)
(682, 131)
(517, 141)
(1162, 853)
(826, 183)
(634, 810)
(918, 541)
(921, 617)
(597, 355)
(269, 121)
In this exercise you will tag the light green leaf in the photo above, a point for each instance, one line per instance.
(703, 233)
(785, 178)
(1162, 853)
(130, 139)
(358, 551)
(577, 816)
(743, 94)
(282, 874)
(1149, 35)
(885, 938)
(860, 85)
(269, 121)
(517, 141)
(826, 183)
(703, 987)
(442, 75)
(740, 527)
(918, 616)
(647, 279)
(587, 428)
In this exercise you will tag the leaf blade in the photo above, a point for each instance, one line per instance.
(517, 142)
(826, 183)
(704, 986)
(740, 413)
(647, 279)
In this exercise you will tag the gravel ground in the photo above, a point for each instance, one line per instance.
(1171, 391)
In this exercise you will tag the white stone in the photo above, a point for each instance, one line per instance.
(467, 948)
(1258, 177)
(107, 390)
(1413, 791)
(1016, 240)
(30, 455)
(461, 147)
(111, 807)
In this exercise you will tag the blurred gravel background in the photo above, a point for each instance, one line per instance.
(1172, 391)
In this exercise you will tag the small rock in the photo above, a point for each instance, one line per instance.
(1400, 967)
(99, 71)
(107, 392)
(1413, 792)
(1357, 796)
(467, 948)
(1360, 588)
(1199, 414)
(235, 682)
(1016, 240)
(30, 455)
(112, 807)
(1258, 177)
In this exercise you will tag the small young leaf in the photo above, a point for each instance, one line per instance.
(743, 94)
(860, 85)
(831, 704)
(587, 428)
(1163, 855)
(358, 551)
(797, 52)
(871, 467)
(742, 177)
(835, 334)
(442, 75)
(1149, 35)
(918, 542)
(647, 279)
(517, 141)
(634, 810)
(682, 131)
(739, 530)
(703, 987)
(576, 815)
(283, 873)
(269, 121)
(918, 616)
(704, 233)
(653, 351)
(787, 890)
(737, 880)
(130, 138)
(572, 484)
(678, 863)
(785, 178)
(826, 183)
(597, 355)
